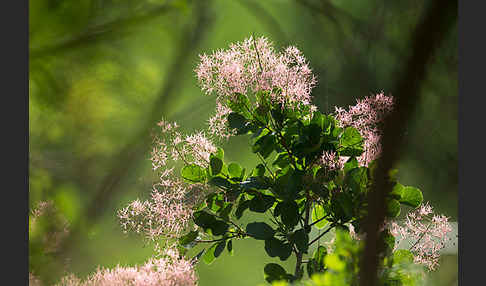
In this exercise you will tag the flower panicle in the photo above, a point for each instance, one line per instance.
(249, 67)
(366, 116)
(172, 145)
(170, 269)
(426, 232)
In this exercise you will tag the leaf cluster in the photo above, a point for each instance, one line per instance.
(292, 184)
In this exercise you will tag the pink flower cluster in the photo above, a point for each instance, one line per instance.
(331, 161)
(46, 219)
(253, 65)
(168, 212)
(169, 270)
(172, 145)
(366, 116)
(426, 232)
(218, 124)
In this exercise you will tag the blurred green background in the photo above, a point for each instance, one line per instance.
(103, 72)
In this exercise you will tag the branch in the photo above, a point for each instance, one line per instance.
(429, 34)
(215, 240)
(97, 33)
(322, 234)
(317, 221)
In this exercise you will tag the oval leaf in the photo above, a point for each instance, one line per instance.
(193, 173)
(260, 230)
(317, 214)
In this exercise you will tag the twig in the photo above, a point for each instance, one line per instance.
(322, 234)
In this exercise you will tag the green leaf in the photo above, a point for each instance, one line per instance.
(239, 103)
(333, 262)
(301, 239)
(215, 165)
(357, 180)
(225, 212)
(319, 255)
(397, 191)
(318, 213)
(342, 206)
(235, 170)
(291, 183)
(219, 227)
(198, 256)
(277, 248)
(238, 122)
(402, 256)
(393, 208)
(388, 240)
(282, 160)
(209, 222)
(316, 263)
(193, 173)
(188, 238)
(289, 213)
(229, 246)
(408, 195)
(203, 219)
(219, 153)
(350, 164)
(259, 171)
(209, 257)
(220, 182)
(311, 267)
(219, 248)
(261, 203)
(259, 183)
(265, 145)
(260, 230)
(243, 204)
(215, 201)
(274, 272)
(351, 142)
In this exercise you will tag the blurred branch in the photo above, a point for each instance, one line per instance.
(133, 152)
(338, 16)
(101, 32)
(429, 34)
(266, 18)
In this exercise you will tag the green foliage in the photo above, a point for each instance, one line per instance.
(351, 142)
(301, 239)
(288, 212)
(274, 272)
(316, 263)
(215, 165)
(278, 248)
(318, 214)
(407, 195)
(260, 230)
(210, 223)
(189, 237)
(193, 173)
(293, 188)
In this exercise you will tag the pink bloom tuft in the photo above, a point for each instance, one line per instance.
(253, 65)
(366, 116)
(172, 145)
(169, 270)
(46, 215)
(427, 234)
